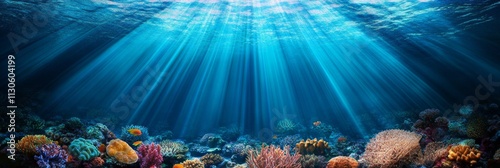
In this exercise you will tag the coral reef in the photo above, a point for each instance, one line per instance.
(212, 140)
(130, 138)
(237, 151)
(51, 155)
(342, 162)
(94, 163)
(150, 156)
(392, 148)
(211, 159)
(67, 132)
(312, 161)
(463, 155)
(434, 151)
(29, 143)
(431, 125)
(173, 152)
(290, 140)
(272, 156)
(83, 149)
(321, 130)
(121, 151)
(195, 163)
(314, 146)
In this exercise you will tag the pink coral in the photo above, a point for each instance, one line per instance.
(273, 157)
(150, 156)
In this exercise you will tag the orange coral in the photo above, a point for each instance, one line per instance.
(121, 151)
(178, 166)
(28, 143)
(393, 148)
(464, 154)
(342, 162)
(312, 147)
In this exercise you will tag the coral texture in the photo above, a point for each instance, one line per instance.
(121, 151)
(392, 148)
(465, 155)
(29, 143)
(211, 159)
(150, 156)
(312, 161)
(95, 162)
(51, 155)
(314, 146)
(195, 163)
(171, 149)
(431, 125)
(83, 149)
(273, 157)
(342, 162)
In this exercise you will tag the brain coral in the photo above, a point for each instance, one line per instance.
(83, 149)
(121, 151)
(392, 148)
(342, 162)
(29, 143)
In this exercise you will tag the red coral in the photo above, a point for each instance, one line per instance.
(150, 156)
(95, 162)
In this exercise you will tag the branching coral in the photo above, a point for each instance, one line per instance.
(173, 150)
(195, 163)
(314, 146)
(83, 149)
(150, 156)
(342, 162)
(121, 151)
(51, 155)
(392, 148)
(211, 159)
(273, 157)
(29, 143)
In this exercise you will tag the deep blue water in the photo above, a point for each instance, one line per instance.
(194, 66)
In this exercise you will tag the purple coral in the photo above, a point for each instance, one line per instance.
(51, 156)
(150, 156)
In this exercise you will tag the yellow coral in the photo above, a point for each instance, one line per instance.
(28, 143)
(312, 146)
(464, 154)
(342, 162)
(121, 151)
(193, 164)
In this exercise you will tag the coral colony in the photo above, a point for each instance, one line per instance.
(466, 138)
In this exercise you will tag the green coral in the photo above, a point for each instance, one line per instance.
(83, 149)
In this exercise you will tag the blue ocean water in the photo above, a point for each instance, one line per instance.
(192, 67)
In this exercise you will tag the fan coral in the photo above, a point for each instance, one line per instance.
(83, 149)
(477, 127)
(121, 151)
(312, 147)
(130, 138)
(29, 143)
(273, 157)
(464, 155)
(312, 161)
(51, 155)
(342, 162)
(150, 156)
(195, 163)
(392, 148)
(211, 159)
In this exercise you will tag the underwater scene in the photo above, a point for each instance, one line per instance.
(250, 83)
